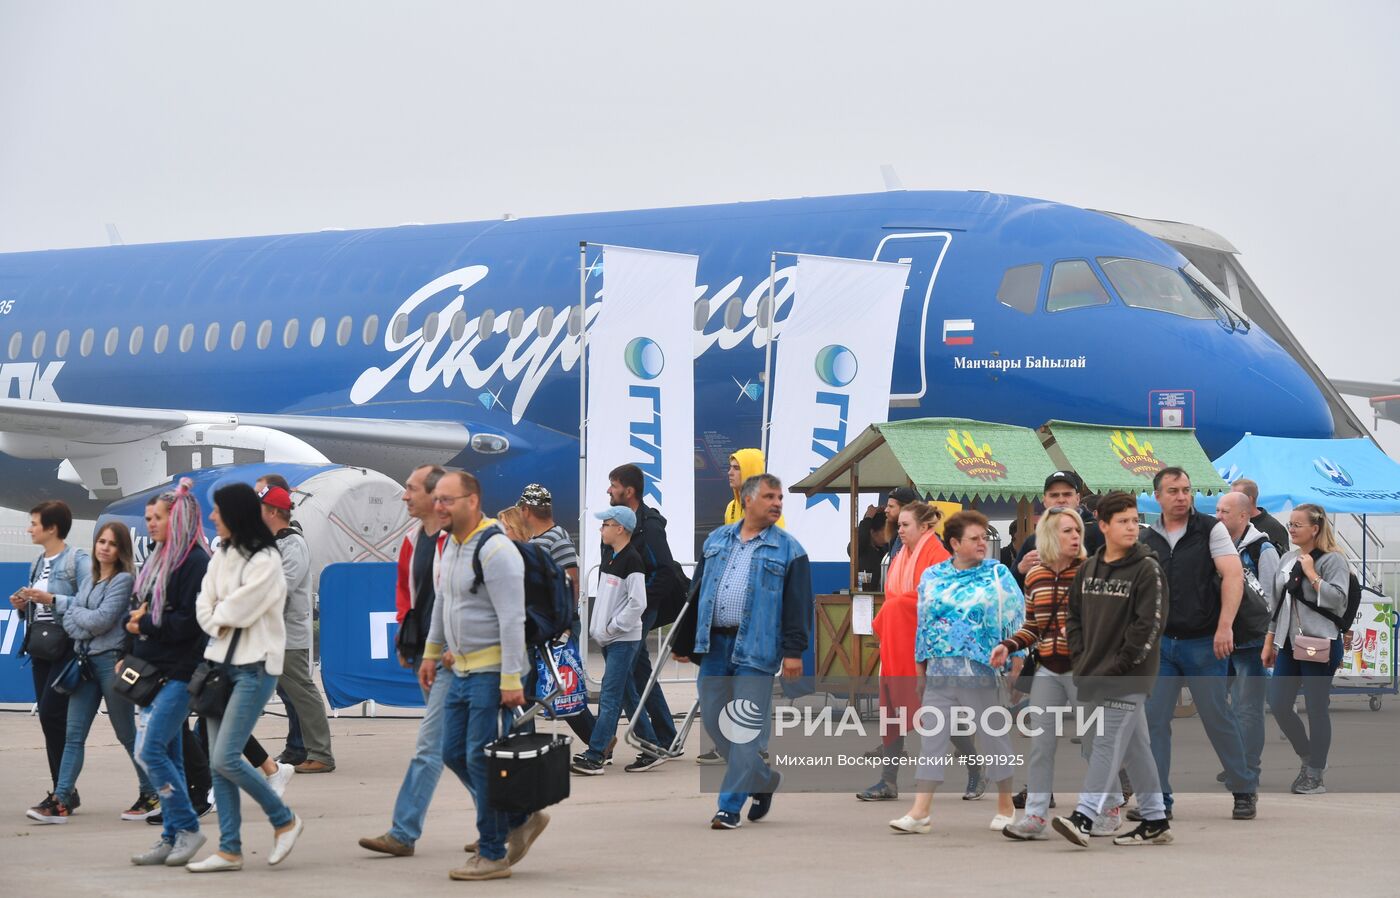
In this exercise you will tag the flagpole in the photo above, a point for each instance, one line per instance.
(582, 404)
(768, 356)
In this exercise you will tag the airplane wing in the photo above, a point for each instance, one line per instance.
(1368, 388)
(119, 450)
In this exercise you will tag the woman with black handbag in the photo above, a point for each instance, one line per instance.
(240, 607)
(166, 647)
(1060, 539)
(93, 619)
(59, 573)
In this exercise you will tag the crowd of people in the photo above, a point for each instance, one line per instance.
(1094, 612)
(1119, 617)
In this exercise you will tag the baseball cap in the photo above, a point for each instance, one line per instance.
(1065, 477)
(904, 495)
(536, 496)
(276, 497)
(620, 513)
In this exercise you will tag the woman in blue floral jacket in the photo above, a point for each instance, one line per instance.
(967, 605)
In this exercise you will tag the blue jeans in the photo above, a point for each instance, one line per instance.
(425, 769)
(1192, 663)
(158, 739)
(472, 717)
(1314, 679)
(617, 695)
(657, 713)
(724, 684)
(1247, 700)
(252, 687)
(82, 710)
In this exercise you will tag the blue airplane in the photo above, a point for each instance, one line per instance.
(458, 343)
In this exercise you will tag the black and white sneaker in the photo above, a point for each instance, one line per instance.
(1300, 778)
(725, 820)
(145, 805)
(583, 764)
(1077, 828)
(50, 810)
(1309, 785)
(1148, 832)
(644, 763)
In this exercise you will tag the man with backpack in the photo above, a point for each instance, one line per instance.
(478, 632)
(616, 624)
(1205, 580)
(666, 591)
(1259, 557)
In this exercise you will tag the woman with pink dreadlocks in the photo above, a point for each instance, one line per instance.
(168, 635)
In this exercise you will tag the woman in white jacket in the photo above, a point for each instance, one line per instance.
(242, 598)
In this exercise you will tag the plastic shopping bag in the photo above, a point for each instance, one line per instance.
(573, 686)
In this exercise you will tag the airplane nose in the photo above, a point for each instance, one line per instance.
(1272, 395)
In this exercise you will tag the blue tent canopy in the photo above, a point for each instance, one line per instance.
(1343, 476)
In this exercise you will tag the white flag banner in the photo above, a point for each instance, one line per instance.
(641, 389)
(831, 380)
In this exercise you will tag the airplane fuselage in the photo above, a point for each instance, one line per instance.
(477, 323)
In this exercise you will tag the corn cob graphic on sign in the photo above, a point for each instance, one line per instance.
(973, 460)
(1135, 456)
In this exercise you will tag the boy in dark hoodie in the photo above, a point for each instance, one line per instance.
(1117, 606)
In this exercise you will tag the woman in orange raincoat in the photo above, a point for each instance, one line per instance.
(894, 627)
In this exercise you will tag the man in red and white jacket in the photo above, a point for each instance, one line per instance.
(418, 566)
(418, 561)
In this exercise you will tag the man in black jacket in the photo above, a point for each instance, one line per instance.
(1206, 581)
(1063, 489)
(1261, 519)
(625, 487)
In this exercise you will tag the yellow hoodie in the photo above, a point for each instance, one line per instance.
(751, 464)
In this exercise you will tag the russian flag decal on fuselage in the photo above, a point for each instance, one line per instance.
(957, 331)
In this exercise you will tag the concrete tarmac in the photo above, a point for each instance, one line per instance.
(648, 834)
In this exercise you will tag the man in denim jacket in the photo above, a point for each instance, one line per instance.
(750, 619)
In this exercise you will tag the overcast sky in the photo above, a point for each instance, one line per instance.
(1273, 123)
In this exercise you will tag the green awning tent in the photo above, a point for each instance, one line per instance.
(1111, 458)
(954, 459)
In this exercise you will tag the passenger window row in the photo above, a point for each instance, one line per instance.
(344, 332)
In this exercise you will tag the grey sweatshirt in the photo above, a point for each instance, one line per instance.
(94, 617)
(296, 569)
(484, 630)
(1335, 574)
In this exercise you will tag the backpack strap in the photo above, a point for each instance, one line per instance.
(478, 574)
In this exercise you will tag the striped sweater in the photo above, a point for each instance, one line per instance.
(1047, 610)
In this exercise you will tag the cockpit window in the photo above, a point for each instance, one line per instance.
(1019, 288)
(1073, 285)
(1201, 282)
(1146, 285)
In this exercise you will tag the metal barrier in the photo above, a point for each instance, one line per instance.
(661, 655)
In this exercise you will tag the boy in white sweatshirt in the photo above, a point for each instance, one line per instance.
(615, 623)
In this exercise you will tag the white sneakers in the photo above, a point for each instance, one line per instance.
(1108, 822)
(278, 781)
(907, 825)
(284, 842)
(282, 845)
(214, 863)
